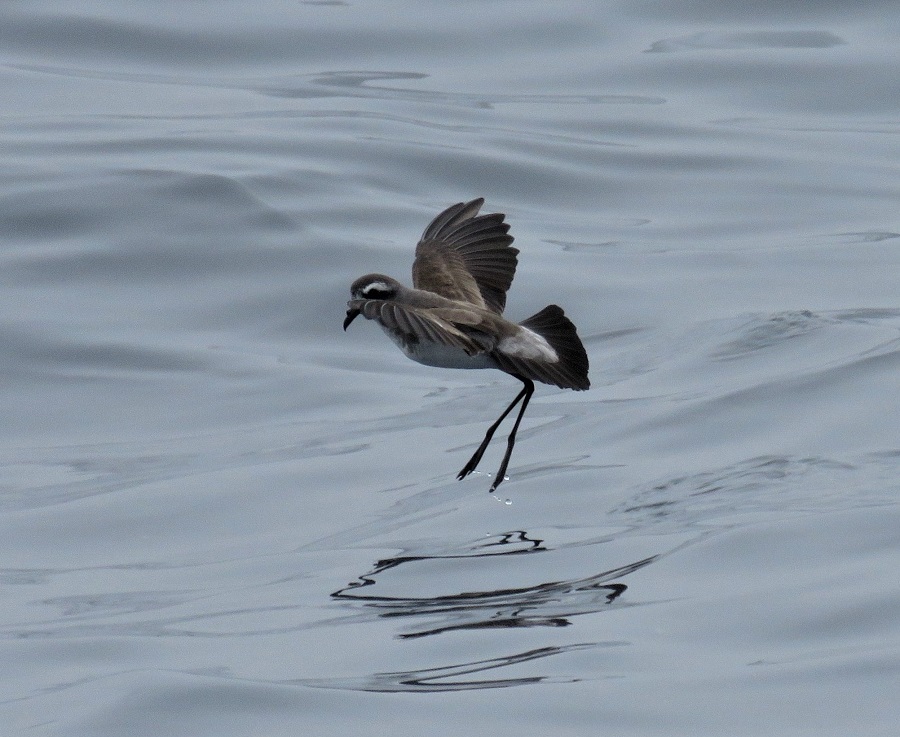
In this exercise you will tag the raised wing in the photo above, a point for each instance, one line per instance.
(466, 256)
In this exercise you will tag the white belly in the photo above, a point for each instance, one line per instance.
(441, 356)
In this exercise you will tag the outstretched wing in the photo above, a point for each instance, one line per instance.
(410, 325)
(466, 256)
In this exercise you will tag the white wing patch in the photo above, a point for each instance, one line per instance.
(528, 345)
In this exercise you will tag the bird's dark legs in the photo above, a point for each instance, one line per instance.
(476, 456)
(501, 472)
(523, 396)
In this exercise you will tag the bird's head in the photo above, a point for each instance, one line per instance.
(370, 286)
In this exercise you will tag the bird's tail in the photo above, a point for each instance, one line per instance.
(570, 371)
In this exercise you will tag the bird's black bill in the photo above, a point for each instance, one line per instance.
(352, 314)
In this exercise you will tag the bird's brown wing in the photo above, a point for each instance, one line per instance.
(447, 326)
(466, 256)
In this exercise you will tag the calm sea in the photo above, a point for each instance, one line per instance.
(220, 515)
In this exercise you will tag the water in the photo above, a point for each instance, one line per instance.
(221, 515)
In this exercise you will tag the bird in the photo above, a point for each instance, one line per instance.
(452, 317)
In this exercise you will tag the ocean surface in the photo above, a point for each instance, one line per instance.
(221, 515)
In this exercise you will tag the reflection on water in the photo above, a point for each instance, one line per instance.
(449, 678)
(547, 604)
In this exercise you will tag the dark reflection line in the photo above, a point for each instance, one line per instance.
(469, 596)
(520, 617)
(506, 538)
(517, 536)
(436, 679)
(506, 623)
(547, 604)
(584, 584)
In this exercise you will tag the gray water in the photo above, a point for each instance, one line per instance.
(221, 515)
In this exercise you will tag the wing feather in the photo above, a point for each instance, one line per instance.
(468, 257)
(460, 212)
(454, 327)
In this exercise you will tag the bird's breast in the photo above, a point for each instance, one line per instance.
(438, 354)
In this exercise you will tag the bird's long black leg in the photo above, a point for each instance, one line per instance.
(476, 456)
(526, 397)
